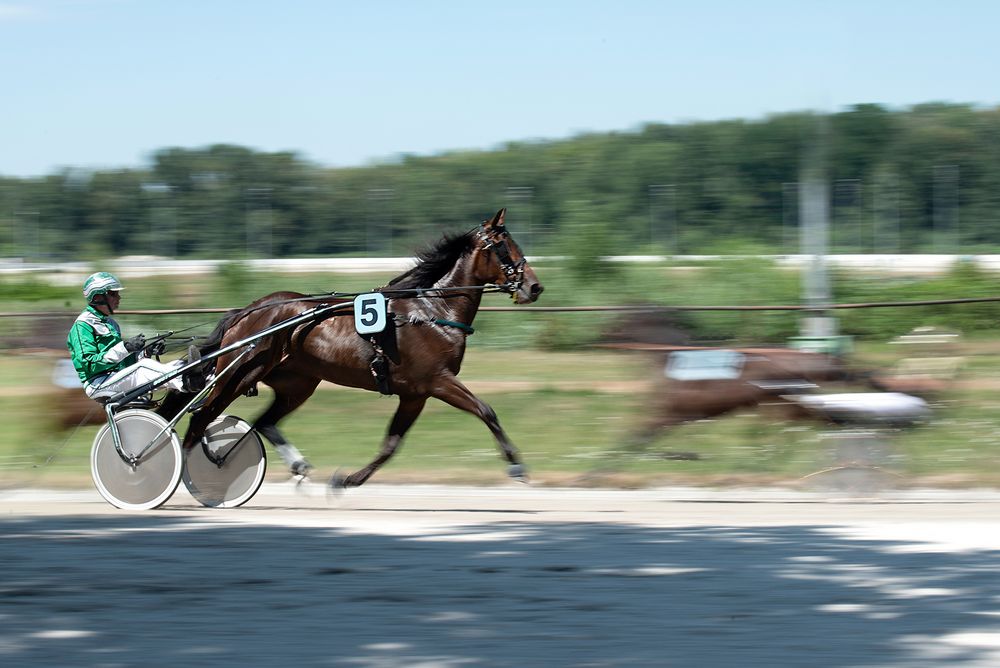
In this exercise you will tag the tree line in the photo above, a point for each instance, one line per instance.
(922, 179)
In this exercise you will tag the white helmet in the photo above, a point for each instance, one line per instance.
(100, 283)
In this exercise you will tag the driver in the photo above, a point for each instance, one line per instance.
(107, 364)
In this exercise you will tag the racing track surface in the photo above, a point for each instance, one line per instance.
(510, 576)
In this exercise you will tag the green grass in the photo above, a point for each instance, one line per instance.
(569, 413)
(568, 408)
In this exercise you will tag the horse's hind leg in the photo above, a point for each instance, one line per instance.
(290, 391)
(406, 414)
(217, 402)
(459, 396)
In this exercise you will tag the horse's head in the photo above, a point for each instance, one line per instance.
(502, 262)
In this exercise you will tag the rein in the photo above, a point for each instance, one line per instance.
(512, 269)
(486, 288)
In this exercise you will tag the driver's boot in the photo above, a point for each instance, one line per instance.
(193, 380)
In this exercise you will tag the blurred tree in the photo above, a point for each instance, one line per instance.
(682, 187)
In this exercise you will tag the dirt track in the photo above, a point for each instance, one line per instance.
(512, 576)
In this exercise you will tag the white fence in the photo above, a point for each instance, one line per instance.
(128, 267)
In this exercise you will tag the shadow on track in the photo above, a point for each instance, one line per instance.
(152, 589)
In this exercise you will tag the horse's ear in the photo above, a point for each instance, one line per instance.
(497, 220)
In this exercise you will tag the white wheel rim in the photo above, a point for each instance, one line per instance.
(153, 479)
(240, 476)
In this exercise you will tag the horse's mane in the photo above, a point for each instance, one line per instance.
(434, 262)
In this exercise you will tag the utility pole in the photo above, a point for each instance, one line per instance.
(814, 213)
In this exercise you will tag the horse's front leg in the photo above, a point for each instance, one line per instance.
(453, 392)
(406, 414)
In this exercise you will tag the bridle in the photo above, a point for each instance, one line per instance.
(513, 269)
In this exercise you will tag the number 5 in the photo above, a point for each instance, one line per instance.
(369, 313)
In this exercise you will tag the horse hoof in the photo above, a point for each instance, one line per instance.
(338, 482)
(517, 472)
(300, 468)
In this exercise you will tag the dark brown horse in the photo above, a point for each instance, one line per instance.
(700, 383)
(432, 307)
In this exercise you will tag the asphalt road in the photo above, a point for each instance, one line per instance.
(511, 576)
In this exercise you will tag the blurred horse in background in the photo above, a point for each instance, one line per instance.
(703, 382)
(699, 383)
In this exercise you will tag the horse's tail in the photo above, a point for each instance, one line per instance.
(214, 340)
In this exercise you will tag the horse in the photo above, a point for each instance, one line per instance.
(698, 383)
(432, 307)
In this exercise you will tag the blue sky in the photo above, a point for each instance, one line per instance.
(104, 83)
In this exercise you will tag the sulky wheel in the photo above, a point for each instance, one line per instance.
(227, 468)
(152, 478)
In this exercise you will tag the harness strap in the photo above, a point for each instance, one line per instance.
(468, 329)
(380, 369)
(443, 322)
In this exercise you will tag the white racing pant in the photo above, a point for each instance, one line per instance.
(129, 378)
